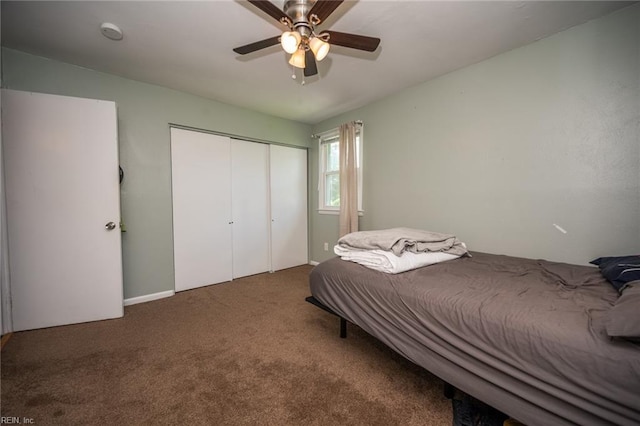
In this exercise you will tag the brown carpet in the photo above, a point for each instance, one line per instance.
(249, 352)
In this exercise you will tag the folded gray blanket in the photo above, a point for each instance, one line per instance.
(399, 240)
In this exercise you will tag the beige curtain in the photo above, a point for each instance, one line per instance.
(348, 179)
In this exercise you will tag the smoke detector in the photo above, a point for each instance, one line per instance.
(111, 31)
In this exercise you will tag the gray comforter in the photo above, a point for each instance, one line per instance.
(398, 240)
(526, 336)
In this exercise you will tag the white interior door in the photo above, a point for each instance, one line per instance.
(250, 207)
(201, 184)
(288, 172)
(61, 171)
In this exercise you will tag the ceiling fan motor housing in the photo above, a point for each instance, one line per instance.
(298, 11)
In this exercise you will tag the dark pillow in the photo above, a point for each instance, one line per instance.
(619, 270)
(623, 319)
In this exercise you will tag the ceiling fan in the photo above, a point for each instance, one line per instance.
(301, 17)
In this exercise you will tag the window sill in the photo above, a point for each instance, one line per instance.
(336, 212)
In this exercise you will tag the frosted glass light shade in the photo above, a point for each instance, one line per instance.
(290, 41)
(297, 59)
(319, 48)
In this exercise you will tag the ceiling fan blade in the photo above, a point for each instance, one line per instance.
(310, 64)
(353, 41)
(248, 48)
(270, 9)
(323, 8)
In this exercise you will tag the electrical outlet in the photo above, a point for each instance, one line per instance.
(326, 246)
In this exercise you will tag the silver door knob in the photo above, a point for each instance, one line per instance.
(110, 226)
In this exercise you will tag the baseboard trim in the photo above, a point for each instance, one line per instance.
(148, 297)
(5, 339)
(313, 263)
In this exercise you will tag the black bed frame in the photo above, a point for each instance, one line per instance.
(449, 390)
(343, 322)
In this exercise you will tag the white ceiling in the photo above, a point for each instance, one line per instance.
(188, 45)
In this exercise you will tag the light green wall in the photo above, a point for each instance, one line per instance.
(499, 151)
(144, 114)
(496, 152)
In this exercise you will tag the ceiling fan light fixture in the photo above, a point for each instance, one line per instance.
(299, 39)
(319, 47)
(297, 59)
(290, 41)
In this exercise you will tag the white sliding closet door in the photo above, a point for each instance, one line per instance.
(250, 207)
(288, 176)
(201, 184)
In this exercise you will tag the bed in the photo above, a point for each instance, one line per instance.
(524, 336)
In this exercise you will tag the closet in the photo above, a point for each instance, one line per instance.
(239, 207)
(288, 184)
(249, 208)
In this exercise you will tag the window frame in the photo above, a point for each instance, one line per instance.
(324, 139)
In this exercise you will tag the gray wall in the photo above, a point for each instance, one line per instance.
(144, 114)
(499, 151)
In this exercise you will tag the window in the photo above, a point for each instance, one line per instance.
(329, 167)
